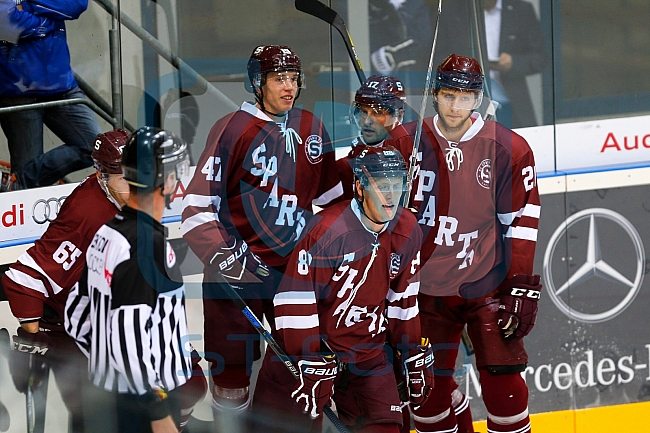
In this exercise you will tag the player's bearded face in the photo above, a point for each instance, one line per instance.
(280, 91)
(455, 107)
(382, 196)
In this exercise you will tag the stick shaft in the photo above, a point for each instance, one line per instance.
(259, 327)
(423, 106)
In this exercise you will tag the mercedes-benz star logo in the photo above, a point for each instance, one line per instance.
(594, 265)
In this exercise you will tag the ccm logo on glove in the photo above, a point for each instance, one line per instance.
(533, 294)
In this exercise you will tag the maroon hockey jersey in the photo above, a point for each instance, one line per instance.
(398, 138)
(351, 287)
(256, 180)
(45, 273)
(478, 206)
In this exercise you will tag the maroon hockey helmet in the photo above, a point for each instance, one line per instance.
(107, 151)
(381, 91)
(272, 58)
(459, 72)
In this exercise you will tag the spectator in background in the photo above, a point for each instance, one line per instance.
(511, 38)
(35, 68)
(400, 35)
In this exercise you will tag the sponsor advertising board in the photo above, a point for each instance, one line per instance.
(590, 346)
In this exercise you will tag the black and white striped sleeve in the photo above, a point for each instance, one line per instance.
(77, 314)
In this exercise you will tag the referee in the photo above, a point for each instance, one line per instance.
(128, 312)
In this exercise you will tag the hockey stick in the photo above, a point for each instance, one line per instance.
(36, 401)
(423, 106)
(5, 419)
(259, 327)
(320, 11)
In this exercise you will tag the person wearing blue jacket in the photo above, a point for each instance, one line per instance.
(34, 68)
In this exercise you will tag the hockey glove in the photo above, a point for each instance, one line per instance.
(316, 384)
(418, 369)
(236, 261)
(518, 305)
(26, 345)
(389, 58)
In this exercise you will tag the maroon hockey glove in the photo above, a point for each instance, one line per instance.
(316, 384)
(418, 369)
(27, 362)
(518, 306)
(237, 262)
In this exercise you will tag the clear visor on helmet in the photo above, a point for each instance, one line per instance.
(458, 99)
(286, 79)
(183, 167)
(363, 115)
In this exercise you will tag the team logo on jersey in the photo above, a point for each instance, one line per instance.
(395, 262)
(170, 256)
(484, 173)
(314, 149)
(601, 282)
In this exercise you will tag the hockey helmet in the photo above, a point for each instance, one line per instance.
(374, 163)
(107, 151)
(272, 58)
(151, 155)
(460, 73)
(381, 91)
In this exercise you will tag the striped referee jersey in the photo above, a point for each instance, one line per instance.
(128, 311)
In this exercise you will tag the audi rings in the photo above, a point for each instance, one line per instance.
(47, 210)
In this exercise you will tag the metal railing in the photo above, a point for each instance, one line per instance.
(113, 112)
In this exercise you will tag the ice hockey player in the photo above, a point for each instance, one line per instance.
(38, 284)
(128, 311)
(377, 110)
(479, 209)
(247, 205)
(350, 288)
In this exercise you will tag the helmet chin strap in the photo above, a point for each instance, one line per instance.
(259, 98)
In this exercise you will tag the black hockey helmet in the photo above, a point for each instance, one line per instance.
(151, 154)
(377, 162)
(107, 151)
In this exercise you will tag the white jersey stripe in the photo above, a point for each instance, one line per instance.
(328, 196)
(27, 281)
(530, 210)
(197, 220)
(197, 200)
(411, 290)
(525, 233)
(294, 298)
(402, 313)
(28, 261)
(296, 322)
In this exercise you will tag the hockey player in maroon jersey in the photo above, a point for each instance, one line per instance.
(478, 207)
(249, 201)
(377, 110)
(350, 288)
(38, 284)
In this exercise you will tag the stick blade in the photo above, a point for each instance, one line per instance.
(317, 9)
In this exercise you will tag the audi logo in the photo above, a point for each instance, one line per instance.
(45, 210)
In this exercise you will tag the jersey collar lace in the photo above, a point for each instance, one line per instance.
(452, 149)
